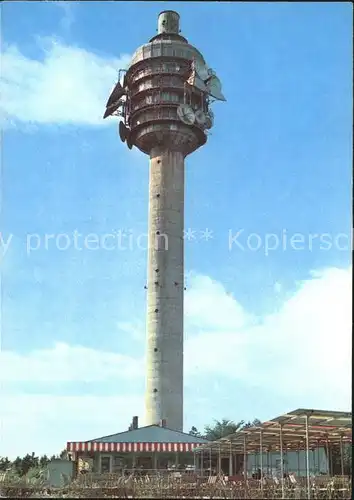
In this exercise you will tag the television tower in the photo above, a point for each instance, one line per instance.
(164, 100)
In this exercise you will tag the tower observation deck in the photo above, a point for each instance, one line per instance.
(164, 99)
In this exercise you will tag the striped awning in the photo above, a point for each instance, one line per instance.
(92, 446)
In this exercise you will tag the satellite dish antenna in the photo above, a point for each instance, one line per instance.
(214, 88)
(200, 117)
(129, 141)
(123, 132)
(195, 81)
(201, 69)
(196, 76)
(116, 94)
(186, 114)
(209, 119)
(112, 108)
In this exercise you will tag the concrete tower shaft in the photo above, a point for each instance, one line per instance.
(164, 381)
(156, 82)
(164, 100)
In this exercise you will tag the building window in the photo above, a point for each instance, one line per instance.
(117, 464)
(105, 465)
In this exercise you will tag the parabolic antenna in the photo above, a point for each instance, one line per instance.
(209, 119)
(196, 75)
(186, 114)
(116, 94)
(123, 132)
(112, 108)
(129, 141)
(195, 81)
(200, 117)
(201, 70)
(214, 88)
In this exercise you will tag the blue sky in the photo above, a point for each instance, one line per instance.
(278, 161)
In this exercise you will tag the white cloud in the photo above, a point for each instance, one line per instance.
(135, 329)
(65, 363)
(70, 85)
(302, 351)
(44, 423)
(209, 306)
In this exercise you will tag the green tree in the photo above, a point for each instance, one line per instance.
(4, 463)
(28, 462)
(194, 432)
(17, 466)
(222, 428)
(43, 461)
(254, 423)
